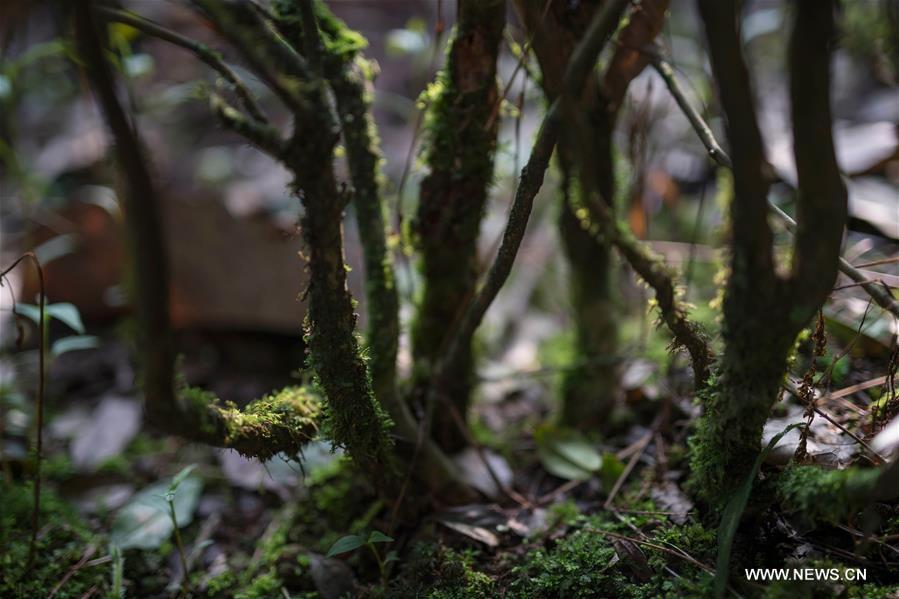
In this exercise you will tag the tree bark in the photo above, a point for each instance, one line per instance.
(756, 345)
(461, 142)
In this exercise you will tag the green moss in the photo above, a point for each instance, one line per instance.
(438, 572)
(339, 503)
(815, 494)
(63, 541)
(585, 563)
(341, 43)
(267, 584)
(280, 422)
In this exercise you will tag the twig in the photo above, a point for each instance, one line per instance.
(680, 554)
(82, 562)
(42, 350)
(579, 67)
(639, 447)
(263, 136)
(203, 52)
(635, 457)
(892, 260)
(789, 386)
(719, 156)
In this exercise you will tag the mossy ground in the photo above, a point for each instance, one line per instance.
(64, 547)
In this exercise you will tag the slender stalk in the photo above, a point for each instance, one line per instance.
(182, 556)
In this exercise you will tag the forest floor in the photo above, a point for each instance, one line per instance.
(626, 528)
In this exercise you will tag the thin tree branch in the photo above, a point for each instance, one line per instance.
(579, 68)
(649, 266)
(203, 52)
(720, 157)
(312, 40)
(273, 59)
(714, 149)
(264, 137)
(753, 262)
(352, 93)
(821, 204)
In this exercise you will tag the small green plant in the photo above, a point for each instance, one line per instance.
(118, 572)
(353, 542)
(170, 500)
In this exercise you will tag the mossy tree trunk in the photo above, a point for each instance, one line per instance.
(764, 310)
(461, 136)
(589, 391)
(282, 422)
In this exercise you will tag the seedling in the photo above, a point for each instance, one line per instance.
(351, 543)
(170, 500)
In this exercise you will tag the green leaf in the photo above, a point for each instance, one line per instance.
(65, 312)
(145, 522)
(377, 536)
(73, 343)
(730, 519)
(29, 311)
(179, 478)
(68, 314)
(391, 557)
(566, 453)
(345, 545)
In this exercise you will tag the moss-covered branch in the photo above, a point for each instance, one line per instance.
(352, 90)
(590, 141)
(461, 139)
(279, 423)
(818, 495)
(263, 136)
(273, 59)
(587, 392)
(756, 347)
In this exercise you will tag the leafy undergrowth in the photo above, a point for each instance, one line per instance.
(641, 553)
(65, 547)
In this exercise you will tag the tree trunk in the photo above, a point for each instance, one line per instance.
(589, 390)
(461, 133)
